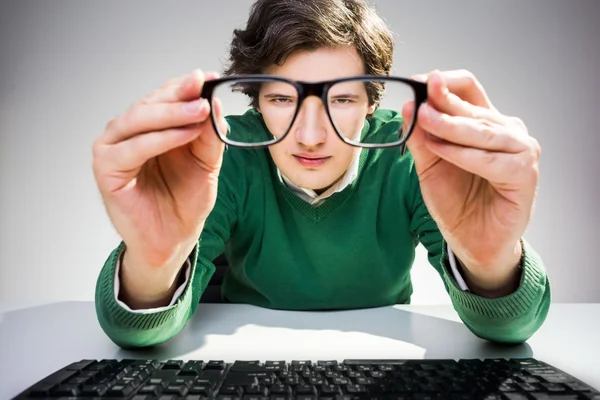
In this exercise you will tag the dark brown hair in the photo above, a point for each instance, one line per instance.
(277, 28)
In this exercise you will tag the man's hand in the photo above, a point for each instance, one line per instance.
(157, 167)
(478, 172)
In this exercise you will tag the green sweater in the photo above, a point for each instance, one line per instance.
(354, 250)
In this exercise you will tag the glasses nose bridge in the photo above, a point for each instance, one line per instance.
(317, 89)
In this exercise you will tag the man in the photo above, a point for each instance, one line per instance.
(311, 222)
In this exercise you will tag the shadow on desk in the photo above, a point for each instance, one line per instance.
(440, 338)
(53, 328)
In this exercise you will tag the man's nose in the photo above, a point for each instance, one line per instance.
(310, 127)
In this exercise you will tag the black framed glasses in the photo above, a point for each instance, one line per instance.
(348, 102)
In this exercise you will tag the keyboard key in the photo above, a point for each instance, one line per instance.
(192, 368)
(556, 378)
(159, 382)
(79, 365)
(292, 380)
(120, 391)
(247, 366)
(212, 376)
(365, 381)
(302, 362)
(553, 387)
(327, 363)
(341, 381)
(66, 390)
(547, 396)
(515, 396)
(356, 374)
(306, 389)
(227, 397)
(460, 396)
(204, 390)
(184, 380)
(439, 396)
(168, 397)
(355, 389)
(149, 389)
(280, 389)
(275, 365)
(43, 387)
(342, 368)
(257, 390)
(316, 381)
(528, 387)
(173, 364)
(213, 364)
(231, 390)
(180, 390)
(169, 374)
(329, 390)
(376, 362)
(377, 374)
(577, 387)
(94, 390)
(241, 379)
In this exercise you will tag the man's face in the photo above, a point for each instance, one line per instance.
(312, 155)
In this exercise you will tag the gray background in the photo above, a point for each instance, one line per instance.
(67, 67)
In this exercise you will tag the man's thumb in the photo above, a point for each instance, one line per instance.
(208, 147)
(416, 142)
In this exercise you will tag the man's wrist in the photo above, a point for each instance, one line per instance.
(495, 281)
(144, 287)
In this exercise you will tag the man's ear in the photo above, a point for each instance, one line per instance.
(371, 109)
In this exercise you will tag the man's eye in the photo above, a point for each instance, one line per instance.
(282, 100)
(342, 101)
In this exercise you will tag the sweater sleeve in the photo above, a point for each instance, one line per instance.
(513, 318)
(129, 329)
(142, 328)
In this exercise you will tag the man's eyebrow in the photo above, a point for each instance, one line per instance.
(275, 94)
(346, 96)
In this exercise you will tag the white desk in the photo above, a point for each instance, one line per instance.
(36, 341)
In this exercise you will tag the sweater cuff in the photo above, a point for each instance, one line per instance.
(113, 315)
(454, 267)
(531, 287)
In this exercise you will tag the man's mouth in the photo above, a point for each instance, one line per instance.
(311, 160)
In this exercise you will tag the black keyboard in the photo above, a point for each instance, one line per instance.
(511, 379)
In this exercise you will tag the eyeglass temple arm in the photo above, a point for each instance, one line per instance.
(402, 149)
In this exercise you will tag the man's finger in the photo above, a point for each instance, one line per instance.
(423, 157)
(130, 155)
(496, 167)
(155, 117)
(441, 97)
(158, 95)
(478, 133)
(208, 147)
(462, 83)
(184, 88)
